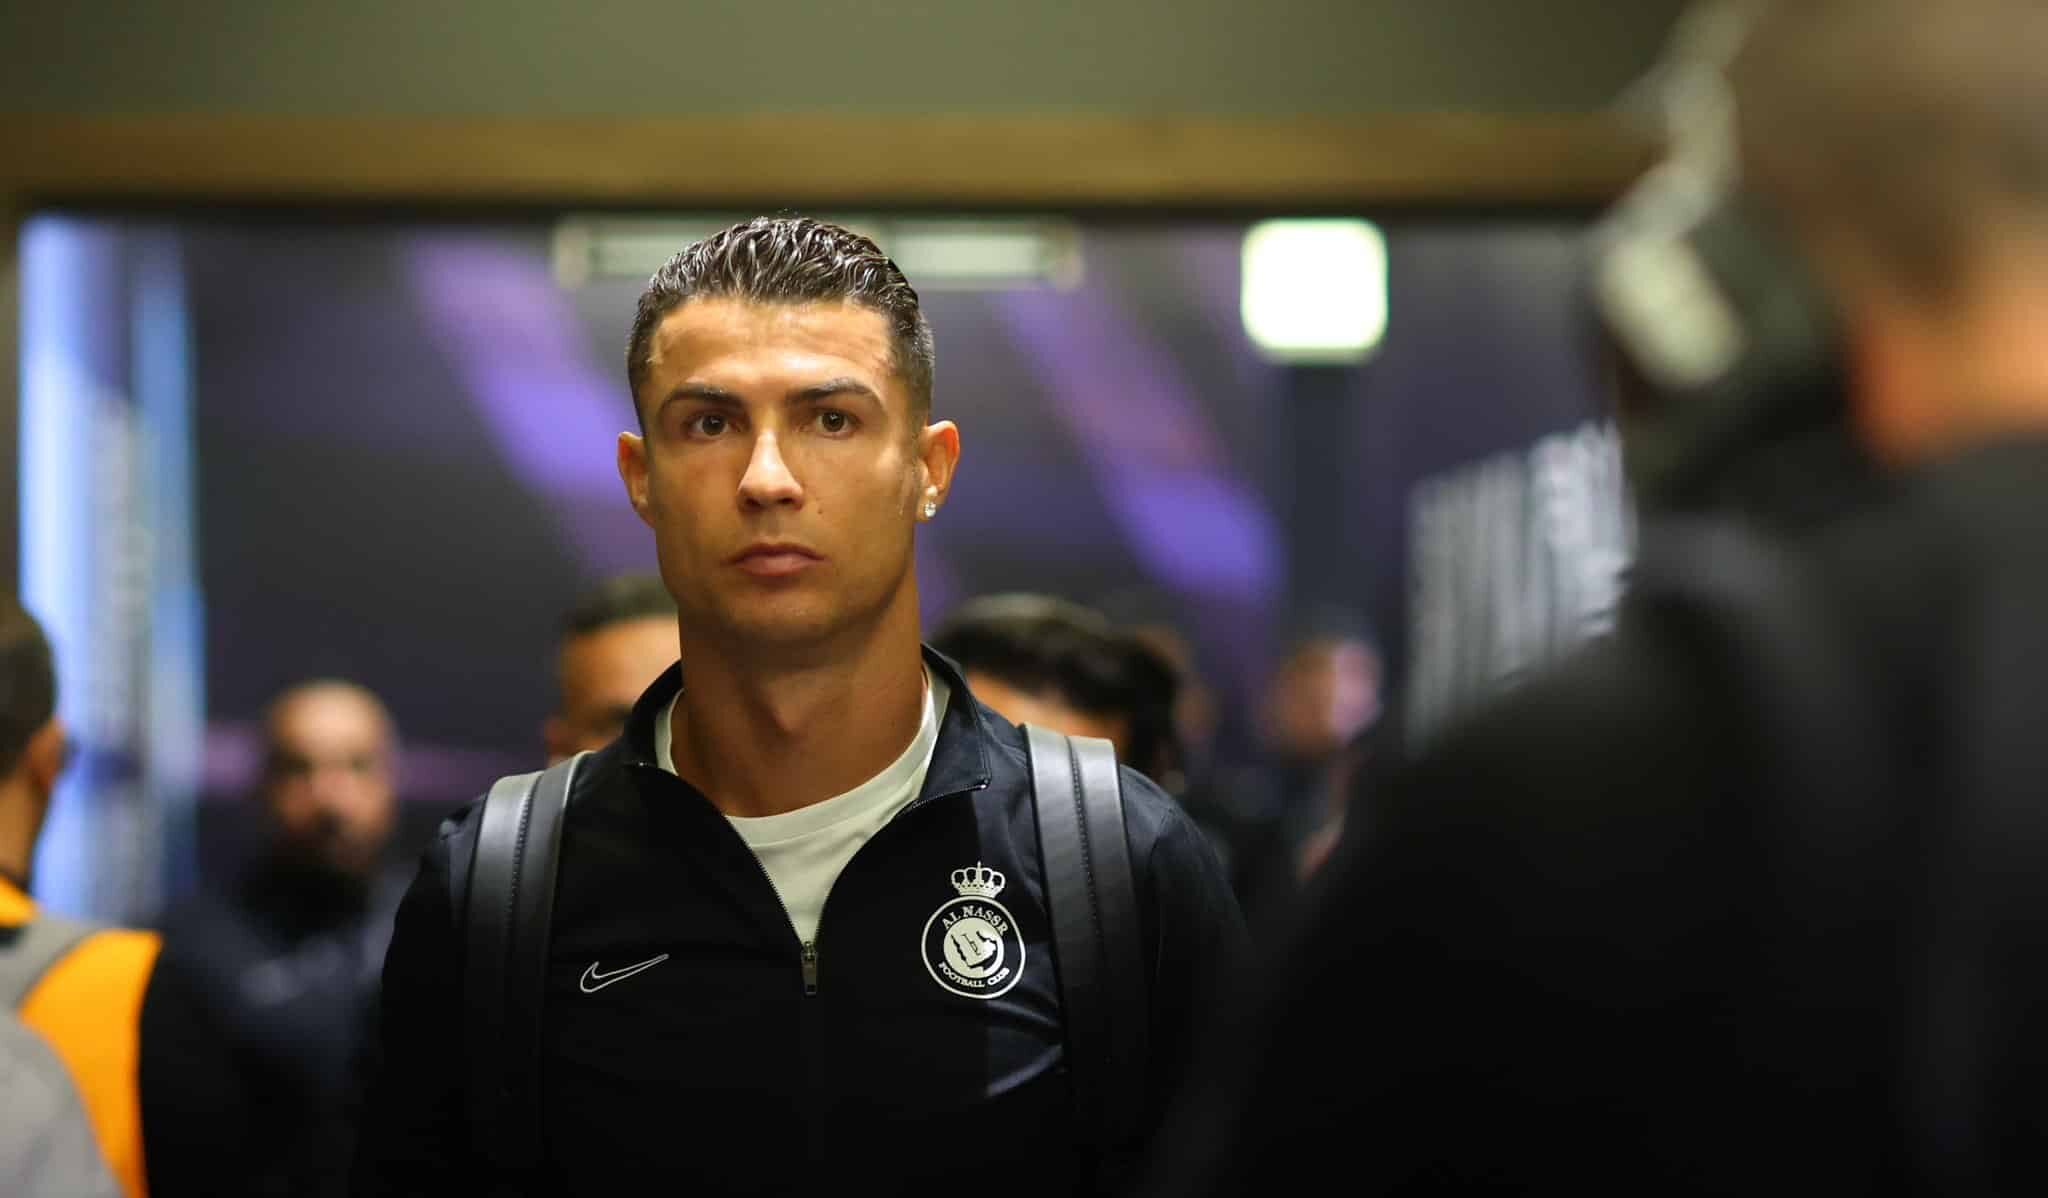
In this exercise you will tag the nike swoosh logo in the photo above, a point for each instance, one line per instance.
(593, 981)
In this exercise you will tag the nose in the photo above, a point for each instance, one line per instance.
(329, 782)
(769, 480)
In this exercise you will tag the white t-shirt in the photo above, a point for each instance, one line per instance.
(804, 850)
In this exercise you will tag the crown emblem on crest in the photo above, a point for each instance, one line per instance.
(979, 882)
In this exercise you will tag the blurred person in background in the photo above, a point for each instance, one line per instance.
(72, 995)
(1322, 698)
(615, 641)
(1151, 617)
(1285, 811)
(708, 1016)
(1038, 659)
(1747, 897)
(1042, 660)
(267, 994)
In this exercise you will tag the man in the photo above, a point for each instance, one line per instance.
(1282, 813)
(266, 1002)
(763, 975)
(1747, 898)
(1046, 661)
(1041, 660)
(71, 995)
(615, 641)
(1322, 700)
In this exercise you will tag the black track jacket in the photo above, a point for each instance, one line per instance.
(736, 1066)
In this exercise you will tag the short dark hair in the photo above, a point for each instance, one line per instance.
(790, 260)
(616, 600)
(1049, 646)
(28, 682)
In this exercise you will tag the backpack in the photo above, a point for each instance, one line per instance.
(47, 1143)
(1097, 948)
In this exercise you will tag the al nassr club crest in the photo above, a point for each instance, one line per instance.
(971, 943)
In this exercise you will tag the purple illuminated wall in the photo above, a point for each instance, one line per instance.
(405, 454)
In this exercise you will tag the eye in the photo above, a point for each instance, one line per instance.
(834, 422)
(707, 424)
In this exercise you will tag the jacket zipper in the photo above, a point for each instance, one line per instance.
(807, 950)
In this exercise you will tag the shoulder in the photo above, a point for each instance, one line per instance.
(1638, 693)
(199, 914)
(115, 958)
(1619, 756)
(1150, 814)
(445, 863)
(1164, 838)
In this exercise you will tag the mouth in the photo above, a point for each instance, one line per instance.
(776, 560)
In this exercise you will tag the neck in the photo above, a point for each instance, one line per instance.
(1989, 380)
(762, 735)
(2001, 388)
(21, 817)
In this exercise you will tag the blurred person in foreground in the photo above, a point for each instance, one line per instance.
(615, 642)
(1746, 898)
(799, 940)
(267, 998)
(72, 995)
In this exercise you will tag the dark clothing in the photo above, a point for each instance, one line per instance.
(255, 1033)
(724, 1069)
(1581, 945)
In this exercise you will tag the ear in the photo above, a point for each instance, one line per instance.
(633, 472)
(938, 450)
(43, 757)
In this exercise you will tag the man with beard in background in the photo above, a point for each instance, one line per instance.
(264, 1005)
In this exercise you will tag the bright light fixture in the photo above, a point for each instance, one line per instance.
(1315, 291)
(937, 253)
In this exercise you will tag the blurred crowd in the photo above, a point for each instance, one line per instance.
(255, 1002)
(1746, 896)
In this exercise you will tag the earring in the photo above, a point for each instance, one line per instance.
(930, 509)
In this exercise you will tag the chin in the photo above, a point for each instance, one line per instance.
(778, 623)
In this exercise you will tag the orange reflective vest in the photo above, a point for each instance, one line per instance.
(87, 1004)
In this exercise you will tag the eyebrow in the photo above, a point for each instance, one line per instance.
(833, 387)
(704, 392)
(713, 394)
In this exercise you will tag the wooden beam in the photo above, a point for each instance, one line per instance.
(800, 160)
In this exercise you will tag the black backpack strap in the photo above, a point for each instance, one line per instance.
(1098, 953)
(510, 908)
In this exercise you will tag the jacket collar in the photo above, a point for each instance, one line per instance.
(961, 761)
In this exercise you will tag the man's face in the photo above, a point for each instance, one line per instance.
(329, 789)
(603, 674)
(782, 469)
